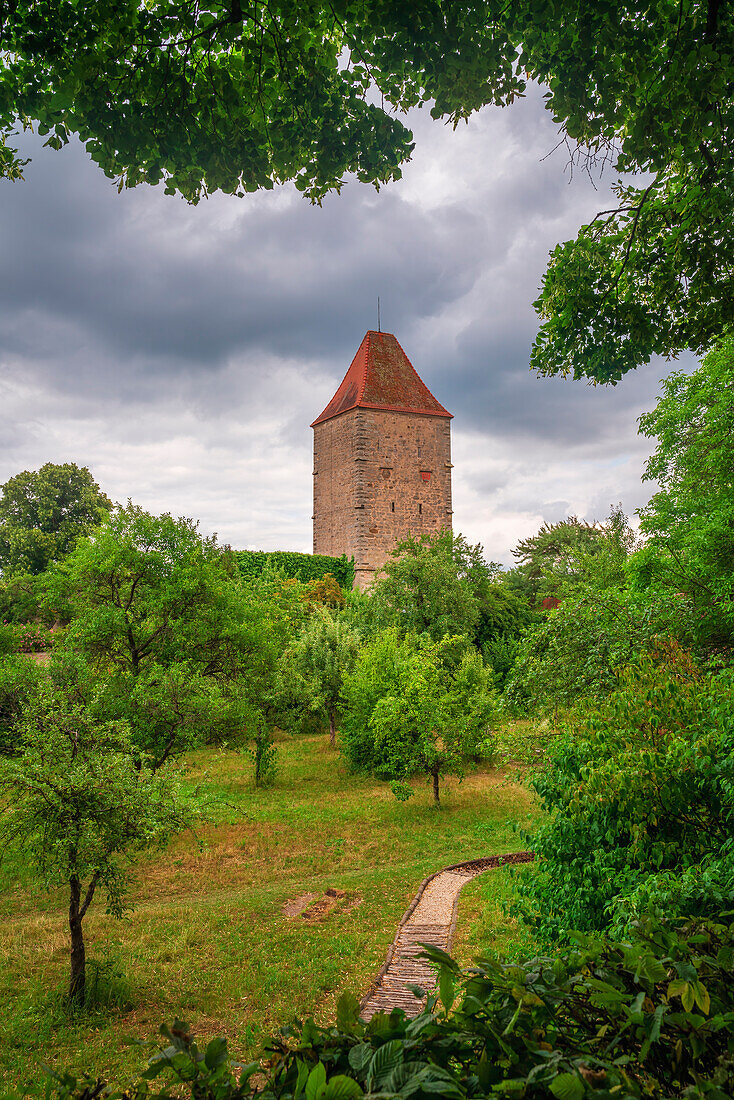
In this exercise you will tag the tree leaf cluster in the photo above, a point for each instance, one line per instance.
(235, 97)
(640, 801)
(43, 513)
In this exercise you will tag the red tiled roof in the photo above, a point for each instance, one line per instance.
(382, 377)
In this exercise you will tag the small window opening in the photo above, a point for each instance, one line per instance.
(420, 509)
(392, 506)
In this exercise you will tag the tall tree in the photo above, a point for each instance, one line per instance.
(550, 560)
(43, 513)
(689, 521)
(430, 585)
(231, 96)
(172, 640)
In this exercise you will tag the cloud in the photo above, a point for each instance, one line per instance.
(181, 352)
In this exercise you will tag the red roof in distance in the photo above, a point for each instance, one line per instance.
(382, 377)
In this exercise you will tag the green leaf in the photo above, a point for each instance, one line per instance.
(446, 988)
(360, 1056)
(567, 1086)
(216, 1053)
(316, 1082)
(347, 1013)
(342, 1088)
(385, 1059)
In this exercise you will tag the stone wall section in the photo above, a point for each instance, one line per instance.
(378, 477)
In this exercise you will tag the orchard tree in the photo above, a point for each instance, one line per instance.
(170, 639)
(225, 96)
(322, 655)
(426, 586)
(76, 801)
(417, 708)
(43, 513)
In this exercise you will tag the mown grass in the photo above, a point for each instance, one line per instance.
(208, 940)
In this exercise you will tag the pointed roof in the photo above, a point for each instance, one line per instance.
(382, 377)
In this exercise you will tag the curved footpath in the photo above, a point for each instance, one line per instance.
(430, 918)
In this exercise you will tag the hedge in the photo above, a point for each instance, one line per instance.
(303, 567)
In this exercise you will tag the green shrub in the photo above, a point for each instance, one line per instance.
(302, 567)
(640, 797)
(579, 649)
(648, 1016)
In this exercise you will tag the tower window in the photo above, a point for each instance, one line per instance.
(392, 506)
(420, 509)
(426, 475)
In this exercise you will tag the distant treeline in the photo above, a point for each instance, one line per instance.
(304, 567)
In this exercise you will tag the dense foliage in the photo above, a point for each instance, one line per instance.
(689, 522)
(225, 96)
(44, 512)
(440, 584)
(302, 567)
(640, 797)
(161, 635)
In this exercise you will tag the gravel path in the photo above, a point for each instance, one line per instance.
(430, 918)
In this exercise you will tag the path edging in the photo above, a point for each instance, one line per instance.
(481, 864)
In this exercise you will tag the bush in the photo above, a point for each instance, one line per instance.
(648, 1016)
(32, 638)
(302, 567)
(640, 796)
(580, 648)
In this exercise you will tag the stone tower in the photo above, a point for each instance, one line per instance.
(382, 459)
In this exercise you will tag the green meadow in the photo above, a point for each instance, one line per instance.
(209, 937)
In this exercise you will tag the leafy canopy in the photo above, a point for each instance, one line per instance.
(689, 521)
(44, 512)
(236, 97)
(163, 633)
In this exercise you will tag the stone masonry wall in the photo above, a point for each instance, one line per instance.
(379, 476)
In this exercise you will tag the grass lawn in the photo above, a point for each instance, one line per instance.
(208, 939)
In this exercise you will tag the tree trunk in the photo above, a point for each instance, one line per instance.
(332, 729)
(436, 797)
(78, 975)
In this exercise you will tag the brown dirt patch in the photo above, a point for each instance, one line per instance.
(294, 906)
(331, 899)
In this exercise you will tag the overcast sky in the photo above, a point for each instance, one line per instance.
(181, 352)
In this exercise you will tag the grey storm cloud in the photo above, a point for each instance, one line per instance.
(182, 351)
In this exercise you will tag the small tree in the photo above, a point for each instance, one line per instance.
(78, 803)
(323, 653)
(417, 708)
